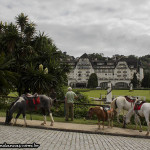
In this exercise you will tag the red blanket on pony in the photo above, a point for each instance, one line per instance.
(138, 105)
(131, 100)
(34, 101)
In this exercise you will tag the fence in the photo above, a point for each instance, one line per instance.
(80, 109)
(103, 98)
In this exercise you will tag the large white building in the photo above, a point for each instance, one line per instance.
(119, 72)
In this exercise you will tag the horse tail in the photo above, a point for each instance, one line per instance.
(113, 104)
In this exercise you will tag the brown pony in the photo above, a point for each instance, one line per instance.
(102, 115)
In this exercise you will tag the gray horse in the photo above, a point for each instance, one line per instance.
(30, 103)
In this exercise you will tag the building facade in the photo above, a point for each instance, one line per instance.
(119, 73)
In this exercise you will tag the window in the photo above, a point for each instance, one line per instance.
(110, 63)
(118, 75)
(100, 63)
(124, 71)
(79, 75)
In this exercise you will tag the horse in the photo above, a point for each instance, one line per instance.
(141, 110)
(102, 115)
(122, 102)
(30, 103)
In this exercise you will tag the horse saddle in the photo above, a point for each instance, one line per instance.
(138, 105)
(106, 108)
(32, 100)
(130, 99)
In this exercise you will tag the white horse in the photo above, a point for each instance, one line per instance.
(121, 103)
(143, 112)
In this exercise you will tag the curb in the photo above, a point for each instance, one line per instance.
(81, 131)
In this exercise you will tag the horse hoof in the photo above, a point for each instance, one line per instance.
(43, 123)
(147, 134)
(51, 124)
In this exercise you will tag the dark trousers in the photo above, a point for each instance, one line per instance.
(69, 106)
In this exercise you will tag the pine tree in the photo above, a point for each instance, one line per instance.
(135, 81)
(93, 81)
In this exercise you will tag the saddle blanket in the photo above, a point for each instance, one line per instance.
(138, 106)
(34, 101)
(106, 108)
(131, 100)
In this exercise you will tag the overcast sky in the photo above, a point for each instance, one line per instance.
(92, 26)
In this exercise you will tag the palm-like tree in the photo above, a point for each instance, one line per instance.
(22, 21)
(10, 37)
(7, 77)
(29, 31)
(29, 53)
(1, 27)
(37, 81)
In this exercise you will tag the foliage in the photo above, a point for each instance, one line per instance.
(93, 81)
(80, 109)
(135, 81)
(97, 56)
(145, 63)
(146, 80)
(7, 77)
(22, 50)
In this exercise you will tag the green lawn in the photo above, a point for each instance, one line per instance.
(97, 93)
(13, 94)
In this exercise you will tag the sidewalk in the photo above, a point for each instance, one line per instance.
(82, 128)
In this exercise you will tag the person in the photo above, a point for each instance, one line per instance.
(69, 100)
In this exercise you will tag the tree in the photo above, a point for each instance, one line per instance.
(135, 81)
(7, 78)
(93, 81)
(21, 21)
(10, 37)
(145, 60)
(98, 56)
(146, 80)
(28, 51)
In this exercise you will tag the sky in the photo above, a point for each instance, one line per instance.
(88, 26)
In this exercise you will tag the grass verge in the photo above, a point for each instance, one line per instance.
(76, 120)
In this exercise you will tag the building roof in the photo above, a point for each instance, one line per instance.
(84, 56)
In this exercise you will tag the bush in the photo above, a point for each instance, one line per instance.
(5, 102)
(80, 110)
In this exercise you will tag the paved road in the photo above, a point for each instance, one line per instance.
(59, 140)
